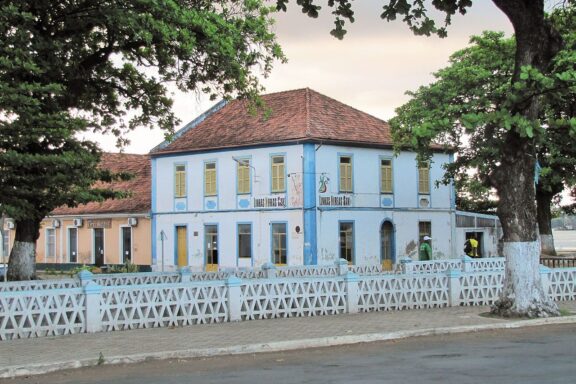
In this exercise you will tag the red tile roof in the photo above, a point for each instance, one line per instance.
(297, 115)
(138, 186)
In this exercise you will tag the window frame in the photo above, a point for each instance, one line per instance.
(180, 177)
(391, 167)
(351, 177)
(353, 241)
(238, 241)
(210, 193)
(47, 243)
(424, 182)
(281, 175)
(272, 248)
(242, 163)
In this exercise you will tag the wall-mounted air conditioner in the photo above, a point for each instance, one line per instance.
(132, 221)
(77, 222)
(56, 223)
(10, 225)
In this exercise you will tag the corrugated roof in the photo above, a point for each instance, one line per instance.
(138, 186)
(297, 115)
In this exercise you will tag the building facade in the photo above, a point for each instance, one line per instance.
(114, 231)
(311, 181)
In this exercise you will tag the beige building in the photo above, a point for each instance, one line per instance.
(108, 232)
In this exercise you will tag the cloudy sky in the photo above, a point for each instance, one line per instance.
(371, 69)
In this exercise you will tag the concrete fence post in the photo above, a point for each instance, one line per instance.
(185, 274)
(234, 298)
(85, 277)
(407, 266)
(269, 270)
(454, 287)
(342, 265)
(352, 294)
(93, 293)
(467, 264)
(545, 277)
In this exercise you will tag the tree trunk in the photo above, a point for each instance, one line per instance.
(543, 203)
(22, 262)
(523, 294)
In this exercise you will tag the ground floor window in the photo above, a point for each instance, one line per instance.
(50, 243)
(244, 241)
(279, 254)
(424, 229)
(211, 247)
(347, 241)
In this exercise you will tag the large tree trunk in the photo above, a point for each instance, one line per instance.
(22, 263)
(523, 294)
(543, 203)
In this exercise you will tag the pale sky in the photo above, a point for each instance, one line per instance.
(371, 69)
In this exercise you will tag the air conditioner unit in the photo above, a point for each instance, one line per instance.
(132, 221)
(77, 222)
(56, 223)
(10, 225)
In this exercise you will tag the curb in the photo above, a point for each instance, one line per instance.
(289, 345)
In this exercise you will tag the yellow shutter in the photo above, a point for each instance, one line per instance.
(180, 181)
(345, 174)
(424, 179)
(210, 179)
(243, 176)
(278, 174)
(386, 176)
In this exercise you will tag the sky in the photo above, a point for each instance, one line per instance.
(371, 69)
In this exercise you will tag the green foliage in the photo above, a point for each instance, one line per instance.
(83, 267)
(470, 108)
(68, 67)
(127, 267)
(414, 13)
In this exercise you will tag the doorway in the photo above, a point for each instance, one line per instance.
(126, 243)
(211, 247)
(387, 245)
(99, 246)
(478, 236)
(73, 245)
(181, 246)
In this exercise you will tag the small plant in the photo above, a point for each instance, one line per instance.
(84, 267)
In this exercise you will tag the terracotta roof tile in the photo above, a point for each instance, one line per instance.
(301, 114)
(138, 186)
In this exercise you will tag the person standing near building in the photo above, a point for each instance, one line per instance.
(474, 245)
(425, 249)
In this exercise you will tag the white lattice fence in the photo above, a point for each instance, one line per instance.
(435, 266)
(292, 298)
(367, 269)
(113, 279)
(38, 285)
(308, 271)
(397, 292)
(480, 288)
(487, 264)
(562, 284)
(167, 305)
(27, 314)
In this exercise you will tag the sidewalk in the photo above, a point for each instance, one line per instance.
(42, 355)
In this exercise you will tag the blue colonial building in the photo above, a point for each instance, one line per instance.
(305, 182)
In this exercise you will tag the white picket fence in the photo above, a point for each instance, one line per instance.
(115, 302)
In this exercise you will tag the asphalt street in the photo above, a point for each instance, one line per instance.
(527, 355)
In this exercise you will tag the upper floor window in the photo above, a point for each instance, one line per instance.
(243, 176)
(210, 179)
(180, 181)
(386, 176)
(278, 174)
(424, 178)
(346, 174)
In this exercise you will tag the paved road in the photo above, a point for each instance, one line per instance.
(530, 355)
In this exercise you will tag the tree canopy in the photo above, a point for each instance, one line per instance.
(71, 66)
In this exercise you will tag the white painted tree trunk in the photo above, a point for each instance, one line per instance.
(22, 264)
(523, 294)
